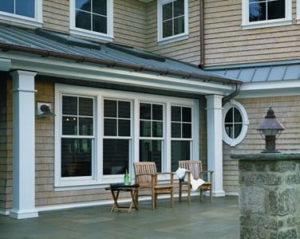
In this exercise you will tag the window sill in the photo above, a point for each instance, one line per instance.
(90, 34)
(168, 40)
(20, 20)
(263, 24)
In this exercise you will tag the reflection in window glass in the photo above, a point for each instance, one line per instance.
(261, 10)
(233, 123)
(151, 150)
(18, 7)
(181, 122)
(180, 150)
(91, 15)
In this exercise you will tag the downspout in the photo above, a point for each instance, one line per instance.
(232, 95)
(202, 48)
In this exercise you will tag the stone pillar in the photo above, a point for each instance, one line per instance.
(270, 196)
(23, 145)
(214, 142)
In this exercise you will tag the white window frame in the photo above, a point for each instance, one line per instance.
(98, 179)
(160, 39)
(37, 21)
(91, 34)
(298, 11)
(246, 24)
(245, 123)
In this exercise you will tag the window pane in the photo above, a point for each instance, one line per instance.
(150, 150)
(110, 108)
(257, 11)
(176, 113)
(145, 128)
(124, 109)
(237, 130)
(100, 7)
(178, 25)
(25, 8)
(176, 130)
(86, 106)
(186, 114)
(110, 127)
(229, 116)
(145, 111)
(124, 127)
(276, 9)
(83, 20)
(69, 126)
(186, 131)
(83, 5)
(76, 157)
(69, 105)
(115, 156)
(180, 150)
(167, 28)
(167, 11)
(229, 130)
(85, 126)
(178, 8)
(237, 116)
(157, 112)
(7, 6)
(99, 24)
(157, 129)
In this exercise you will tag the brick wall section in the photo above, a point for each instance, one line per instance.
(287, 111)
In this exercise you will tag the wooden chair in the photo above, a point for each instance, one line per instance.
(147, 177)
(194, 168)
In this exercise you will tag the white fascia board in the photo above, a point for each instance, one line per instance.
(92, 72)
(268, 89)
(5, 64)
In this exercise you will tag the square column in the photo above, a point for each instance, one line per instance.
(214, 142)
(23, 145)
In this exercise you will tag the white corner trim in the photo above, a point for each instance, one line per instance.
(245, 123)
(177, 37)
(91, 34)
(267, 23)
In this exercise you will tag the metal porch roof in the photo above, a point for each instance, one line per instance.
(48, 43)
(261, 72)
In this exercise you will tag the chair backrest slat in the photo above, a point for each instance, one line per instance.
(195, 166)
(144, 168)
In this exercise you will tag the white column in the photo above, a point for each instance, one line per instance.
(214, 142)
(23, 145)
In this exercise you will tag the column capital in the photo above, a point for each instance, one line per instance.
(23, 81)
(214, 102)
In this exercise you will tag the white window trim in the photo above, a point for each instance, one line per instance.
(245, 123)
(267, 23)
(37, 21)
(298, 11)
(100, 94)
(91, 34)
(175, 38)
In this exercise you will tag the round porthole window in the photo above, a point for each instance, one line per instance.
(235, 123)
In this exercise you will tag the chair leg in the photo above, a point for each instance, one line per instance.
(153, 200)
(210, 194)
(201, 194)
(189, 194)
(180, 190)
(172, 199)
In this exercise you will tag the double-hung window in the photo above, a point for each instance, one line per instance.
(181, 135)
(151, 133)
(117, 136)
(266, 13)
(77, 137)
(92, 18)
(22, 11)
(172, 20)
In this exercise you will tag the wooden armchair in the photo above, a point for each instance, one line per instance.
(194, 168)
(147, 177)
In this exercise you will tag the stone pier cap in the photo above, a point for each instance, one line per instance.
(268, 156)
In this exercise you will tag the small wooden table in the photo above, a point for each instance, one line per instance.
(120, 187)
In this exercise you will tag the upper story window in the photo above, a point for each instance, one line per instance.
(22, 11)
(172, 20)
(266, 13)
(92, 18)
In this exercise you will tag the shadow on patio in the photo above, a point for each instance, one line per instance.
(201, 220)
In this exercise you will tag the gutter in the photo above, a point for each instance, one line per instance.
(78, 58)
(232, 95)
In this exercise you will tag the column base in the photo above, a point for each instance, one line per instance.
(22, 214)
(218, 193)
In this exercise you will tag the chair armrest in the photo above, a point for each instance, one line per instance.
(209, 174)
(168, 173)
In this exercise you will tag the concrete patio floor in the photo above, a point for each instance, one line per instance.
(201, 220)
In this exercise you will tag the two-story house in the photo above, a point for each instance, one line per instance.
(90, 86)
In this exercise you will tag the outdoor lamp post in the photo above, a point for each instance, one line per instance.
(269, 128)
